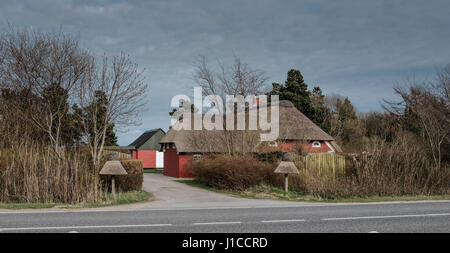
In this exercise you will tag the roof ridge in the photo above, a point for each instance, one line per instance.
(144, 137)
(151, 130)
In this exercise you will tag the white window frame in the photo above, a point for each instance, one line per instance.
(196, 157)
(273, 144)
(316, 144)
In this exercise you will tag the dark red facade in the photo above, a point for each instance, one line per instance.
(321, 147)
(177, 165)
(180, 165)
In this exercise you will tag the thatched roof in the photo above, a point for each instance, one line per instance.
(113, 168)
(294, 126)
(286, 168)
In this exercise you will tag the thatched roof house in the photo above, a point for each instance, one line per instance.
(294, 129)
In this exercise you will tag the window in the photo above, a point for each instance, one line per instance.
(273, 144)
(316, 144)
(197, 157)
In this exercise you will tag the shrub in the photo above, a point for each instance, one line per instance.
(271, 157)
(400, 167)
(135, 178)
(232, 172)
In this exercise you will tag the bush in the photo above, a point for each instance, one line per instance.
(271, 157)
(232, 172)
(401, 167)
(135, 178)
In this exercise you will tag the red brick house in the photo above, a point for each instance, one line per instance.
(296, 132)
(146, 148)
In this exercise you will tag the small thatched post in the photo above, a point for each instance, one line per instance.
(286, 167)
(113, 167)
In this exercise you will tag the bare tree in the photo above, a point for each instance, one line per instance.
(52, 76)
(332, 101)
(46, 68)
(124, 90)
(234, 80)
(431, 105)
(237, 79)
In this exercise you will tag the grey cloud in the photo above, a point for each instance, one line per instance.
(356, 48)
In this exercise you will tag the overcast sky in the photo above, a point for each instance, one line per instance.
(358, 49)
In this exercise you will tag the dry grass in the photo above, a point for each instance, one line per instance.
(401, 167)
(398, 168)
(33, 173)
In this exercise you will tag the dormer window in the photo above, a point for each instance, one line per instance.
(197, 157)
(273, 144)
(316, 144)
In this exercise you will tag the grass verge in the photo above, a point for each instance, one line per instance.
(275, 193)
(155, 171)
(18, 205)
(122, 198)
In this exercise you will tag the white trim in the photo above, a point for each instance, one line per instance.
(315, 143)
(159, 160)
(273, 144)
(196, 157)
(330, 146)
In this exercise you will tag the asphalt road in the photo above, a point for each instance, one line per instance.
(369, 217)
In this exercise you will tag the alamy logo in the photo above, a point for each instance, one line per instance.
(239, 108)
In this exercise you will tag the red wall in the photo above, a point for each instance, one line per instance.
(148, 158)
(289, 146)
(171, 163)
(185, 162)
(180, 165)
(176, 165)
(307, 147)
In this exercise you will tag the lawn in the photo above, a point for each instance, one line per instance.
(121, 199)
(156, 171)
(275, 193)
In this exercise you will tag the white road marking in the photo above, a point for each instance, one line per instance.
(81, 227)
(387, 216)
(272, 221)
(217, 223)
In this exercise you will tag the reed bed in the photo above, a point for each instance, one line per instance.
(31, 172)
